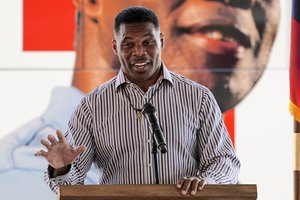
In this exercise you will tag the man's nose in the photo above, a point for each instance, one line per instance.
(139, 50)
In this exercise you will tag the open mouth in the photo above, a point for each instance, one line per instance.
(140, 65)
(223, 33)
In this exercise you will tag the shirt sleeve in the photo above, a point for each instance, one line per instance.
(218, 161)
(79, 133)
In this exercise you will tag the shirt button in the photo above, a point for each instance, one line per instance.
(148, 141)
(149, 164)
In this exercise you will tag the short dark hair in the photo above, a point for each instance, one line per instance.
(135, 14)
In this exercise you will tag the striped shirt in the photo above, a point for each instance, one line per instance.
(118, 141)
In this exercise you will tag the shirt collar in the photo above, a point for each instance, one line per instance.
(121, 78)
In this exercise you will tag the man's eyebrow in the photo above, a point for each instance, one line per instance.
(148, 35)
(128, 38)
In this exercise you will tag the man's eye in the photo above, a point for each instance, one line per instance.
(127, 45)
(150, 42)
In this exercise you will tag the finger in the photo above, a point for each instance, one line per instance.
(79, 150)
(186, 186)
(52, 139)
(195, 184)
(201, 184)
(180, 182)
(60, 136)
(46, 144)
(41, 153)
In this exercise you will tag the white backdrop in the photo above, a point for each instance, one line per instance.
(263, 123)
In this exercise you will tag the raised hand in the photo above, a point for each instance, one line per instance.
(59, 153)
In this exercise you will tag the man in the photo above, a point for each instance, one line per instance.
(222, 44)
(106, 129)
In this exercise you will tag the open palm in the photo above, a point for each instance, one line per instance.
(59, 153)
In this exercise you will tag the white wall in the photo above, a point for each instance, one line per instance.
(26, 79)
(264, 126)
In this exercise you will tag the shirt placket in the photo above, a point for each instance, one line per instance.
(148, 163)
(146, 144)
(146, 135)
(145, 132)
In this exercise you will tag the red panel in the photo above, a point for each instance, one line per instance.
(48, 25)
(229, 121)
(295, 64)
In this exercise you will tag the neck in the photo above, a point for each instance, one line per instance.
(144, 85)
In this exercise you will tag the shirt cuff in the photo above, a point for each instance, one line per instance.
(209, 180)
(62, 178)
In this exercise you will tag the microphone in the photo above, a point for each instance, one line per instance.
(149, 111)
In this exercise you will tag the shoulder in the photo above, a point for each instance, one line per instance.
(194, 94)
(103, 89)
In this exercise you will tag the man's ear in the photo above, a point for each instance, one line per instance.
(114, 46)
(91, 8)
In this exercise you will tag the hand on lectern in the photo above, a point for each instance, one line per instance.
(59, 153)
(193, 184)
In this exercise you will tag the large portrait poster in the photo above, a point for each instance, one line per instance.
(54, 52)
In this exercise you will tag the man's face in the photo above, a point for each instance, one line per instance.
(138, 47)
(224, 46)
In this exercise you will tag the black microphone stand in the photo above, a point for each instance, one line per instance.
(155, 159)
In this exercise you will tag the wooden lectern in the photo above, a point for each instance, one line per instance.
(157, 192)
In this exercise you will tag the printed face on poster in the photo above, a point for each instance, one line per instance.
(223, 45)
